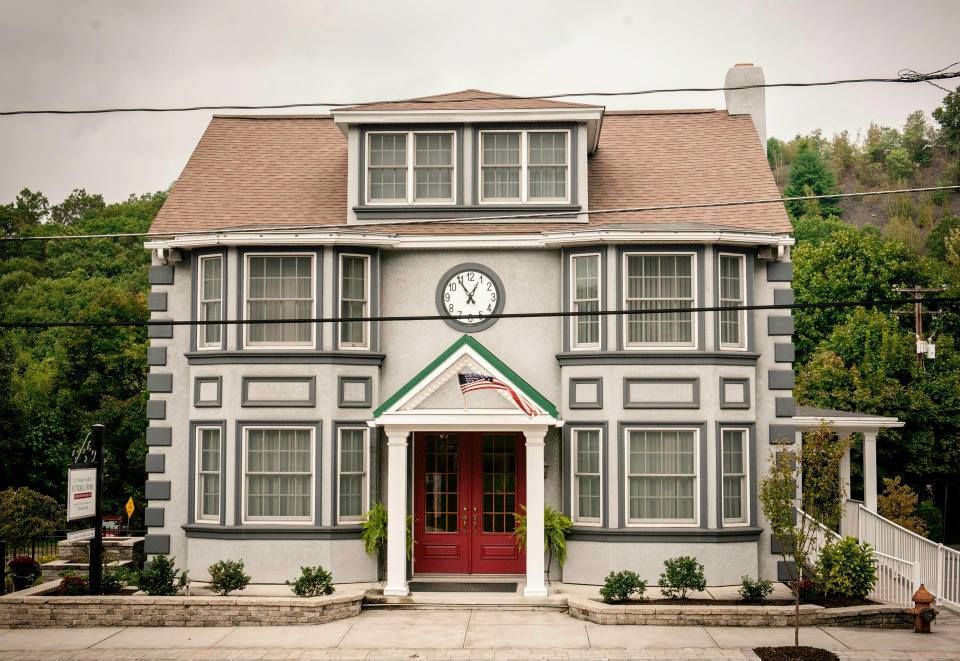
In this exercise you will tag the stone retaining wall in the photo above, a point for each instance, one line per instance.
(881, 617)
(34, 609)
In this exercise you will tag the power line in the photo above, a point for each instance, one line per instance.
(904, 76)
(869, 303)
(538, 215)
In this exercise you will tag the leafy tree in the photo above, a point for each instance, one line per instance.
(880, 140)
(26, 515)
(948, 117)
(898, 502)
(810, 171)
(899, 164)
(76, 206)
(916, 138)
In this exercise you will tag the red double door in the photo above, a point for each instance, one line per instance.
(467, 489)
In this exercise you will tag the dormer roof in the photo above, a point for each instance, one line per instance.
(469, 99)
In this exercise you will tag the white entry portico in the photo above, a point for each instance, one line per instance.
(419, 406)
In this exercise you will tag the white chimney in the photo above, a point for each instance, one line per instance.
(749, 101)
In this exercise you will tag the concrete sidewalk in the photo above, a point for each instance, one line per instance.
(480, 634)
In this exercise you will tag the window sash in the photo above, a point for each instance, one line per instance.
(411, 175)
(661, 282)
(585, 296)
(533, 169)
(731, 283)
(734, 464)
(279, 286)
(587, 497)
(210, 301)
(354, 295)
(209, 446)
(352, 469)
(662, 474)
(278, 467)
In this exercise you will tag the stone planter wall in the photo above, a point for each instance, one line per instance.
(882, 617)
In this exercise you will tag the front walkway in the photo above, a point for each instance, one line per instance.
(480, 634)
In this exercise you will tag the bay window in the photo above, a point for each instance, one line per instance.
(280, 287)
(406, 167)
(663, 286)
(585, 297)
(352, 465)
(209, 449)
(524, 166)
(210, 301)
(734, 463)
(354, 295)
(587, 497)
(278, 474)
(732, 287)
(661, 475)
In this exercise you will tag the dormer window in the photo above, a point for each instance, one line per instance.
(524, 166)
(410, 167)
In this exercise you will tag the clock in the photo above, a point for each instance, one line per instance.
(467, 295)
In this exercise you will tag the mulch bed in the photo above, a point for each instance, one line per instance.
(802, 653)
(736, 602)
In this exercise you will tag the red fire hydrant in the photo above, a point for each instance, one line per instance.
(923, 612)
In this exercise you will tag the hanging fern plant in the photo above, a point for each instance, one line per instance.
(556, 527)
(373, 532)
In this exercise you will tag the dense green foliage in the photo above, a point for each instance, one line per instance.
(754, 592)
(312, 582)
(26, 515)
(227, 576)
(618, 587)
(680, 576)
(556, 527)
(161, 578)
(846, 569)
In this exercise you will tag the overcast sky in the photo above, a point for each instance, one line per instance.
(96, 53)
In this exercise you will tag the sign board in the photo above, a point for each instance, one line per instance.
(130, 508)
(78, 535)
(81, 493)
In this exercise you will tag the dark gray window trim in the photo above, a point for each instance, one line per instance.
(654, 357)
(242, 288)
(455, 324)
(374, 275)
(366, 211)
(567, 255)
(699, 317)
(724, 404)
(200, 531)
(573, 403)
(192, 488)
(751, 450)
(566, 462)
(372, 468)
(197, 402)
(195, 295)
(280, 357)
(239, 489)
(426, 212)
(309, 402)
(702, 484)
(749, 260)
(628, 403)
(365, 403)
(666, 535)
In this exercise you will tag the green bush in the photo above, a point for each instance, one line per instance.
(72, 585)
(846, 569)
(312, 582)
(754, 592)
(227, 576)
(618, 587)
(681, 575)
(110, 583)
(161, 578)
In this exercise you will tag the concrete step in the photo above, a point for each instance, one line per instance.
(375, 600)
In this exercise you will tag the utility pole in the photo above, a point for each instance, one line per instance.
(95, 568)
(925, 348)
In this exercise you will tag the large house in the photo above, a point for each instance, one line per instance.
(269, 440)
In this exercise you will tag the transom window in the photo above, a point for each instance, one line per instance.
(732, 322)
(279, 287)
(352, 473)
(524, 166)
(735, 464)
(663, 286)
(210, 301)
(354, 293)
(411, 167)
(661, 476)
(585, 297)
(278, 474)
(208, 473)
(587, 476)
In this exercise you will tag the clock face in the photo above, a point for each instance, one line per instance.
(469, 294)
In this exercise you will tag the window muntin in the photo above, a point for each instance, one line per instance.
(354, 294)
(352, 458)
(585, 297)
(732, 281)
(278, 474)
(209, 448)
(661, 283)
(524, 166)
(279, 287)
(587, 497)
(661, 474)
(411, 167)
(210, 301)
(734, 464)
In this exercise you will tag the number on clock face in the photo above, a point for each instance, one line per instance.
(469, 296)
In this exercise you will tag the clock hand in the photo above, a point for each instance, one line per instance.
(471, 293)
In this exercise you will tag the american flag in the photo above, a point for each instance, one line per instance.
(473, 381)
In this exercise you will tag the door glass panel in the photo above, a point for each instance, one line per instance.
(440, 483)
(499, 482)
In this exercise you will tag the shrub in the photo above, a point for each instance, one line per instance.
(110, 583)
(681, 575)
(227, 576)
(24, 566)
(127, 574)
(754, 592)
(72, 585)
(846, 569)
(619, 586)
(807, 590)
(161, 578)
(312, 582)
(26, 514)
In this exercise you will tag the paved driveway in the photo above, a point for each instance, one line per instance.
(481, 634)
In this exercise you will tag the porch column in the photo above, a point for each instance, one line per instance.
(845, 487)
(870, 470)
(396, 514)
(535, 500)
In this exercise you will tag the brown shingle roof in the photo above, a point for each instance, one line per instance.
(468, 100)
(285, 171)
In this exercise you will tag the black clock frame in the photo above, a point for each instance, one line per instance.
(455, 323)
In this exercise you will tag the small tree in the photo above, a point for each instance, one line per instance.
(898, 502)
(26, 515)
(818, 465)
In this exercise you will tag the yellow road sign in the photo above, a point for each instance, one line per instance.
(130, 508)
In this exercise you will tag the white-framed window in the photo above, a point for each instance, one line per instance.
(353, 462)
(732, 283)
(585, 296)
(279, 286)
(354, 295)
(210, 301)
(661, 473)
(524, 166)
(209, 448)
(659, 283)
(278, 476)
(735, 466)
(411, 167)
(587, 497)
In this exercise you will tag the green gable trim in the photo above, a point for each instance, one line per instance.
(485, 353)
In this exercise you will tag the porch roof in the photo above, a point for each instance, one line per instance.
(811, 417)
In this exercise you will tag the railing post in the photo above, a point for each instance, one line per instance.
(916, 575)
(939, 584)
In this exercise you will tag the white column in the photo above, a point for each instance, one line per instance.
(845, 487)
(396, 514)
(535, 542)
(870, 471)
